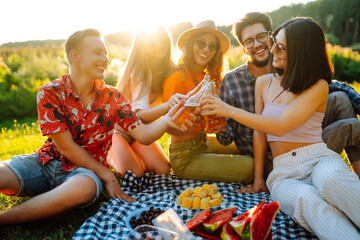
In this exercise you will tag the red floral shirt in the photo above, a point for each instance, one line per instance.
(60, 109)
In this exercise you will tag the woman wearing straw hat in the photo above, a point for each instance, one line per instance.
(193, 154)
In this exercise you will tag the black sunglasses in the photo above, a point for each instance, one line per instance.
(202, 44)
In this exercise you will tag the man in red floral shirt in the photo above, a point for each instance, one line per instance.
(77, 112)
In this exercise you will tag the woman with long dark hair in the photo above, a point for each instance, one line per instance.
(312, 183)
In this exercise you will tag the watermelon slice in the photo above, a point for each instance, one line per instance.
(228, 233)
(198, 218)
(260, 223)
(215, 235)
(218, 218)
(240, 222)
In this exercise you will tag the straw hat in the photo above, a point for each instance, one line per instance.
(207, 26)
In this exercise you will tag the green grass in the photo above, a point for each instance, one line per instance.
(23, 137)
(20, 138)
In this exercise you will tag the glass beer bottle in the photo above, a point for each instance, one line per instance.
(199, 86)
(211, 121)
(191, 105)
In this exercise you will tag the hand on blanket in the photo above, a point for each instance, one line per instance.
(114, 189)
(256, 187)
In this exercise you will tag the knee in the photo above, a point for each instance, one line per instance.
(291, 195)
(353, 133)
(163, 169)
(9, 183)
(338, 98)
(84, 190)
(350, 128)
(326, 180)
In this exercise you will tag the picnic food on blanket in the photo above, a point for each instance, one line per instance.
(261, 222)
(228, 233)
(218, 218)
(198, 218)
(200, 192)
(204, 204)
(196, 203)
(187, 202)
(170, 221)
(240, 222)
(255, 224)
(214, 202)
(215, 235)
(200, 197)
(145, 217)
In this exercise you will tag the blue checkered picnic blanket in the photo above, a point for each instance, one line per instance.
(161, 191)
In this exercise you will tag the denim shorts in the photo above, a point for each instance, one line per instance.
(36, 178)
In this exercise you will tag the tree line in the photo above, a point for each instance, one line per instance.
(340, 20)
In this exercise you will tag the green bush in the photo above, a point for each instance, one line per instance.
(356, 47)
(346, 63)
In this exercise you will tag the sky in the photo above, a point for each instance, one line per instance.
(23, 20)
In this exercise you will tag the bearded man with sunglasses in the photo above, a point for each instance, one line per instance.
(341, 128)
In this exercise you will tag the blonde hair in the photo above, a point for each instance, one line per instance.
(137, 75)
(214, 68)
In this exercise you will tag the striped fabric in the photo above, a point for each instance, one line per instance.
(315, 187)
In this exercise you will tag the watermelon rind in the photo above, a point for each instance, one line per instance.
(240, 222)
(228, 233)
(246, 235)
(260, 223)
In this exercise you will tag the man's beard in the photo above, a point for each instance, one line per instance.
(260, 63)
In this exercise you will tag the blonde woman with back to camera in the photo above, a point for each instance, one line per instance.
(147, 66)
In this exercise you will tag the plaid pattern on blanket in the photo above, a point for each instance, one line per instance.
(161, 191)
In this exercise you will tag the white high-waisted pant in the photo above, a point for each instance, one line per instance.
(315, 187)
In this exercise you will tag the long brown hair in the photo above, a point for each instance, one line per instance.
(137, 73)
(307, 58)
(214, 67)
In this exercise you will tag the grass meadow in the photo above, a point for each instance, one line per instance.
(23, 137)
